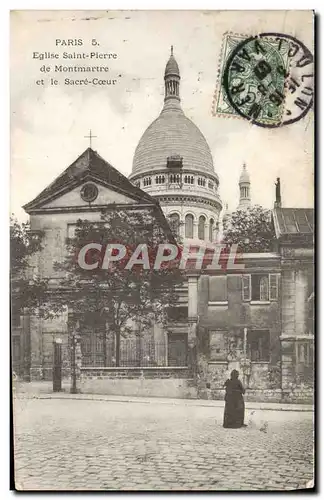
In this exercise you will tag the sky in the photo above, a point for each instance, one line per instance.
(49, 123)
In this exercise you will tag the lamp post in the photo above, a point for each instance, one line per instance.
(57, 365)
(75, 339)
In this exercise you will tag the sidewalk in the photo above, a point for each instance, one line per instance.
(44, 390)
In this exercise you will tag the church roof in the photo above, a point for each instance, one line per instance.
(293, 221)
(89, 163)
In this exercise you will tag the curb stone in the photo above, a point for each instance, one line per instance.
(141, 400)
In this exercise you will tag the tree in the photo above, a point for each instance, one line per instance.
(27, 290)
(117, 295)
(251, 229)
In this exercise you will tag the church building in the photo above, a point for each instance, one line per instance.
(257, 319)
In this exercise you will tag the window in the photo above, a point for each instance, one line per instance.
(246, 287)
(211, 185)
(211, 230)
(201, 181)
(160, 179)
(89, 192)
(244, 192)
(260, 287)
(258, 345)
(178, 313)
(188, 179)
(175, 179)
(264, 289)
(201, 227)
(217, 345)
(218, 289)
(175, 223)
(304, 353)
(147, 181)
(189, 226)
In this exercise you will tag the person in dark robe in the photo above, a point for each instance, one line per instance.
(234, 402)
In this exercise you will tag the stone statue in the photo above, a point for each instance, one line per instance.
(278, 194)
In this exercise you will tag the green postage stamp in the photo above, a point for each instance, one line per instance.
(267, 79)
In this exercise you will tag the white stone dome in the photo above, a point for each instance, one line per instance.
(172, 133)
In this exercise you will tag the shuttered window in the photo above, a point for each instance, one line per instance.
(246, 287)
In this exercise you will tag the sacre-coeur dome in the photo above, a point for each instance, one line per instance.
(174, 165)
(172, 133)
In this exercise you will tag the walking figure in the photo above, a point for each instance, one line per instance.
(234, 402)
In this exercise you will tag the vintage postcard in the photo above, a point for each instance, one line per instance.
(162, 250)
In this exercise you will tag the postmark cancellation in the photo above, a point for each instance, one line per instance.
(267, 79)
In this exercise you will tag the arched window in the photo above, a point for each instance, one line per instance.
(264, 288)
(201, 227)
(211, 229)
(189, 226)
(175, 223)
(159, 179)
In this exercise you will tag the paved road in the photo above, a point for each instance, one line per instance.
(100, 445)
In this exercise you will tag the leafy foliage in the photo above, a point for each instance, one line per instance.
(251, 229)
(27, 290)
(117, 295)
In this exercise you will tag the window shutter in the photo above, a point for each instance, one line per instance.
(273, 281)
(246, 287)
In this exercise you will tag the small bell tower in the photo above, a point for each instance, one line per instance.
(172, 79)
(245, 189)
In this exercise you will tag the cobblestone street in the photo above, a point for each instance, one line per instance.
(101, 445)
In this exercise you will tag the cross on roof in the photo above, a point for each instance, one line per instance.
(90, 136)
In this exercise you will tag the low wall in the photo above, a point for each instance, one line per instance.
(159, 382)
(252, 395)
(298, 395)
(213, 375)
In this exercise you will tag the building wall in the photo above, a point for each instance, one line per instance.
(221, 330)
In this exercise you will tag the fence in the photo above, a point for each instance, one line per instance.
(100, 352)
